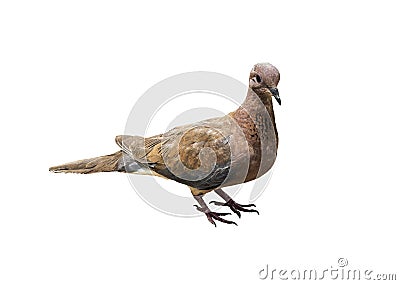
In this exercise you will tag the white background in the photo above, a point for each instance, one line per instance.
(71, 71)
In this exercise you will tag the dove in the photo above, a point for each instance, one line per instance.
(207, 155)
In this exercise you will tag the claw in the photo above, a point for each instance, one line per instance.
(200, 209)
(218, 203)
(211, 220)
(249, 205)
(223, 220)
(236, 207)
(214, 215)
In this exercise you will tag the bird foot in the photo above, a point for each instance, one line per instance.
(212, 216)
(236, 207)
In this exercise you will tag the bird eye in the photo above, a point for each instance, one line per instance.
(258, 78)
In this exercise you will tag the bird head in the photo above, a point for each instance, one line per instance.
(264, 79)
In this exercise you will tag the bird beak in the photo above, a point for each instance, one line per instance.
(274, 91)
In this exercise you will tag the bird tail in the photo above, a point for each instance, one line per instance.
(107, 163)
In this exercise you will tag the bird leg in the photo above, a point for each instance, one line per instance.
(211, 215)
(235, 207)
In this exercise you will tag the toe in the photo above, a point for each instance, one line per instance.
(222, 220)
(217, 203)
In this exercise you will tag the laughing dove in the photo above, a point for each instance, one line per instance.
(207, 155)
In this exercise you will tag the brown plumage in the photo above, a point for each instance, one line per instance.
(206, 155)
(106, 163)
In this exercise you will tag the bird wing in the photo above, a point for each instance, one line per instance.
(139, 147)
(197, 155)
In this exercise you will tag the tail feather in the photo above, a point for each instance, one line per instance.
(105, 163)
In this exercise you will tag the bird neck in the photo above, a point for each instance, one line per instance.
(253, 108)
